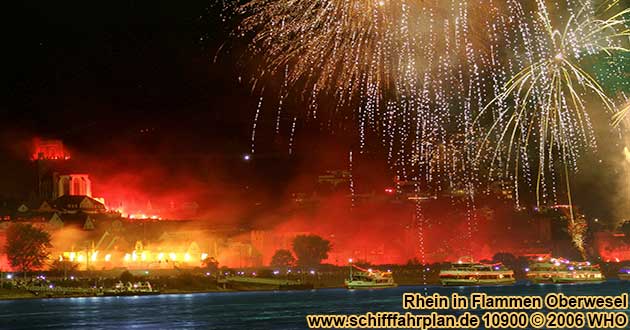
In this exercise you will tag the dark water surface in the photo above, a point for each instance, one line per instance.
(241, 310)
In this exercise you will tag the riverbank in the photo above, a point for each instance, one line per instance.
(19, 294)
(16, 293)
(13, 294)
(205, 281)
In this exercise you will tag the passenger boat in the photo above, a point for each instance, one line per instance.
(559, 270)
(362, 278)
(473, 273)
(541, 271)
(129, 289)
(624, 274)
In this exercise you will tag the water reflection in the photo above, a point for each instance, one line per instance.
(240, 310)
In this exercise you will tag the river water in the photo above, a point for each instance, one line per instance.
(241, 310)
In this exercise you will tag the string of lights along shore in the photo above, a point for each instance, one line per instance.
(460, 94)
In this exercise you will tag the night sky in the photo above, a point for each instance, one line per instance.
(141, 76)
(82, 73)
(138, 82)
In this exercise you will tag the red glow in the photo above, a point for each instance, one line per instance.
(612, 247)
(141, 216)
(385, 233)
(143, 187)
(49, 150)
(4, 262)
(143, 190)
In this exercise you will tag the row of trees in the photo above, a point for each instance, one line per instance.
(310, 250)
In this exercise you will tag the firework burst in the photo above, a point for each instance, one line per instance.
(549, 117)
(401, 67)
(436, 81)
(549, 107)
(335, 46)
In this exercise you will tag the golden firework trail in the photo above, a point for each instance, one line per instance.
(549, 110)
(548, 96)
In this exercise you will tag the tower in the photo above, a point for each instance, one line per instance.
(50, 158)
(74, 184)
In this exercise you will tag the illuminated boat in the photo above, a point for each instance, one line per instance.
(559, 270)
(580, 273)
(472, 273)
(129, 289)
(369, 279)
(541, 271)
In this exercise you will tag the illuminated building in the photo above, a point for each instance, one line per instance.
(74, 204)
(56, 173)
(49, 150)
(80, 220)
(74, 185)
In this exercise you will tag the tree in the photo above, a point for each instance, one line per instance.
(126, 276)
(63, 267)
(210, 264)
(27, 247)
(413, 262)
(310, 249)
(282, 258)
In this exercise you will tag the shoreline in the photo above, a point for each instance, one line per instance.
(21, 294)
(26, 295)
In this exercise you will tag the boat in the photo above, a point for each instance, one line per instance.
(560, 270)
(361, 278)
(541, 271)
(474, 273)
(624, 274)
(582, 272)
(129, 289)
(252, 283)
